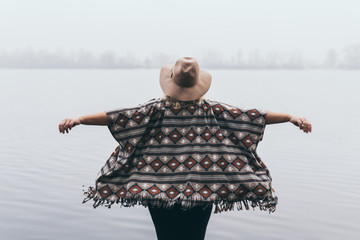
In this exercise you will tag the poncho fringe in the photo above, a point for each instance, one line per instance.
(268, 204)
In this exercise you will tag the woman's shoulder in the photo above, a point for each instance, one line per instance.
(226, 106)
(148, 104)
(220, 107)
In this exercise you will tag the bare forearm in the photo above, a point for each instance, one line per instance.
(94, 119)
(302, 123)
(91, 119)
(274, 117)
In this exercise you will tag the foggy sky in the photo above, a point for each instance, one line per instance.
(182, 28)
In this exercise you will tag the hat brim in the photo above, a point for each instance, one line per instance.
(181, 93)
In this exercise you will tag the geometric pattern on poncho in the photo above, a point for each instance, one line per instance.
(197, 153)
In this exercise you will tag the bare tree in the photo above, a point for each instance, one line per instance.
(212, 59)
(84, 59)
(107, 60)
(254, 60)
(331, 59)
(352, 57)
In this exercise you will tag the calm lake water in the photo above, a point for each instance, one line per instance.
(316, 176)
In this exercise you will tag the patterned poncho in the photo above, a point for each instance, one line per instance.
(193, 153)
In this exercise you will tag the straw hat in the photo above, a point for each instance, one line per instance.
(184, 80)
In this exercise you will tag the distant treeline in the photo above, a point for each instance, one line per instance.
(348, 58)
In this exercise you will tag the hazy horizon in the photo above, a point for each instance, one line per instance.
(349, 58)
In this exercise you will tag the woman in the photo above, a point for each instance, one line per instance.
(182, 154)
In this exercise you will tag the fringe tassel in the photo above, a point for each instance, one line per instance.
(268, 204)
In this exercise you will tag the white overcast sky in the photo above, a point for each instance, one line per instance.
(182, 27)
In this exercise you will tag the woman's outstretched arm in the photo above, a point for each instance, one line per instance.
(91, 119)
(302, 123)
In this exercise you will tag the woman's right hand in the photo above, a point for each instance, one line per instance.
(67, 124)
(302, 123)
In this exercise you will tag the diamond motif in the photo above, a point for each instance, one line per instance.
(261, 163)
(121, 193)
(126, 166)
(192, 108)
(241, 191)
(260, 190)
(235, 112)
(156, 164)
(154, 190)
(233, 138)
(206, 107)
(205, 192)
(247, 141)
(222, 163)
(190, 162)
(253, 166)
(105, 191)
(188, 191)
(122, 120)
(129, 147)
(175, 135)
(153, 111)
(116, 152)
(172, 192)
(206, 163)
(253, 114)
(141, 164)
(135, 189)
(219, 135)
(206, 134)
(191, 135)
(174, 109)
(223, 191)
(239, 164)
(217, 109)
(173, 164)
(138, 117)
(159, 136)
(162, 108)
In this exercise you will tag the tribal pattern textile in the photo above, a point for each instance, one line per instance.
(193, 153)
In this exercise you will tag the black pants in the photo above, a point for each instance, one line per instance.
(176, 224)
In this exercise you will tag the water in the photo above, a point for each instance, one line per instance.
(316, 176)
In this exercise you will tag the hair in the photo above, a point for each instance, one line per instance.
(179, 103)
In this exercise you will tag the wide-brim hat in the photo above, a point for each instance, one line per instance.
(184, 80)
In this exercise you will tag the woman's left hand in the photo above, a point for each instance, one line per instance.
(302, 123)
(67, 124)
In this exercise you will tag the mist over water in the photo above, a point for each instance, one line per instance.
(346, 58)
(42, 172)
